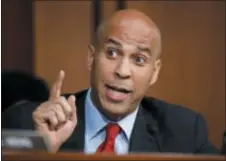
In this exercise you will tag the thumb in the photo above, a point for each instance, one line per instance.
(72, 100)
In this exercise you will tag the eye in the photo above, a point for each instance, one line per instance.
(111, 53)
(139, 60)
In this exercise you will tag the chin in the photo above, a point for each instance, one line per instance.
(114, 110)
(110, 108)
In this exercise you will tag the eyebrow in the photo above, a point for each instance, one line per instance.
(139, 48)
(144, 49)
(113, 41)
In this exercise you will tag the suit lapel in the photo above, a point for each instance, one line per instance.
(142, 139)
(150, 133)
(77, 140)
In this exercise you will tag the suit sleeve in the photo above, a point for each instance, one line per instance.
(202, 144)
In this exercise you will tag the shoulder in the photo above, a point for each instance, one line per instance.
(169, 109)
(181, 125)
(173, 116)
(19, 115)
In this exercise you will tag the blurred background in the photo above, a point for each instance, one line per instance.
(39, 38)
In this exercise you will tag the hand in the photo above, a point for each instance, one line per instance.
(56, 118)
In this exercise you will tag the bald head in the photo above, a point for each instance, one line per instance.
(131, 23)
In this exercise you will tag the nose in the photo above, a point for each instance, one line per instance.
(123, 69)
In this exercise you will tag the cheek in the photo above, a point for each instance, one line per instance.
(141, 79)
(104, 68)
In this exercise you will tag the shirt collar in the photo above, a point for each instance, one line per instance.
(95, 121)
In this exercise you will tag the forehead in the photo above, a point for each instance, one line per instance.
(132, 32)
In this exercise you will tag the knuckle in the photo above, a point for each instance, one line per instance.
(57, 107)
(54, 121)
(62, 117)
(51, 114)
(38, 112)
(62, 99)
(66, 107)
(53, 106)
(35, 115)
(44, 107)
(60, 113)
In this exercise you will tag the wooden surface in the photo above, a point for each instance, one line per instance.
(38, 156)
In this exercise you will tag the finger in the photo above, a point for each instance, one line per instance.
(72, 101)
(67, 108)
(45, 118)
(59, 114)
(56, 88)
(53, 121)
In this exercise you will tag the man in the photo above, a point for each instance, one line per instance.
(113, 115)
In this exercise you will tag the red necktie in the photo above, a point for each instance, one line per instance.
(112, 130)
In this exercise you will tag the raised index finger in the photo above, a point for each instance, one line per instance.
(57, 85)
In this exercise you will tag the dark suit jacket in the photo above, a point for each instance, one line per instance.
(159, 127)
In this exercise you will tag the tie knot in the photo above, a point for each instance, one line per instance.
(112, 130)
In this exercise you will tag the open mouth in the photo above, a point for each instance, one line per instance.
(116, 93)
(119, 89)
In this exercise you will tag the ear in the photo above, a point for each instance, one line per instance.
(156, 71)
(91, 52)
